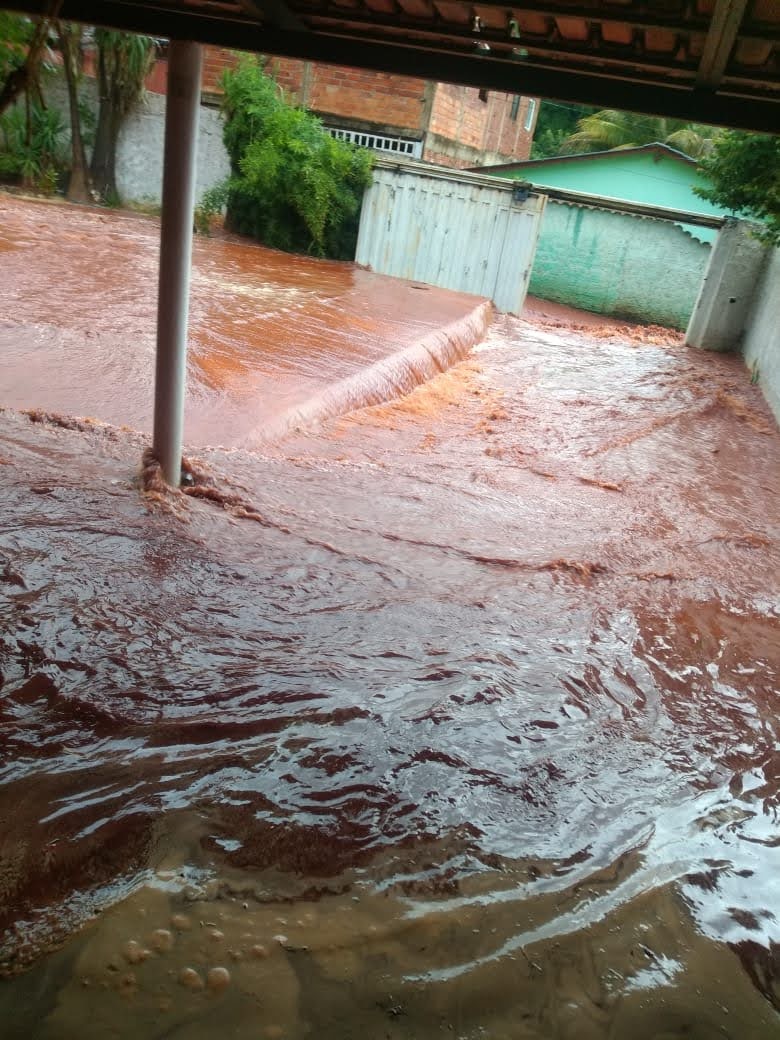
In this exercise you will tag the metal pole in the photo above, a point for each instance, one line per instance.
(178, 201)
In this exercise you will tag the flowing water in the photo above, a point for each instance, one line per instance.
(450, 717)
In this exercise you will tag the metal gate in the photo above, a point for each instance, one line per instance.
(457, 230)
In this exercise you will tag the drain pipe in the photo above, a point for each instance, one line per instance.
(178, 202)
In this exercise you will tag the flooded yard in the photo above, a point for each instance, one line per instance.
(454, 716)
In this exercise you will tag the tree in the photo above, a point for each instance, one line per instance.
(79, 186)
(556, 122)
(293, 185)
(611, 128)
(745, 173)
(22, 46)
(31, 133)
(123, 62)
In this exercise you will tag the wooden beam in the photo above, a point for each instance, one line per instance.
(741, 105)
(273, 12)
(724, 29)
(635, 16)
(400, 29)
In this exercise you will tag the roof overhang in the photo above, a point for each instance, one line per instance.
(612, 155)
(711, 61)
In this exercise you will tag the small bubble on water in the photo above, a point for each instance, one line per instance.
(218, 979)
(161, 940)
(190, 979)
(134, 953)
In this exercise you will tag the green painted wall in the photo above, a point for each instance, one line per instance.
(652, 177)
(613, 263)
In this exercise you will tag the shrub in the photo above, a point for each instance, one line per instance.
(293, 186)
(745, 173)
(33, 149)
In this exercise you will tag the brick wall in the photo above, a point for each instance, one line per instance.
(215, 61)
(461, 129)
(458, 114)
(378, 98)
(291, 75)
(515, 134)
(392, 102)
(487, 122)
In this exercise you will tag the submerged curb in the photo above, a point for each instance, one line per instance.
(394, 376)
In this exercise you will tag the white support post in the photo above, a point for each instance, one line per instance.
(178, 203)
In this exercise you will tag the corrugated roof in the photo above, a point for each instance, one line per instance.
(704, 60)
(614, 153)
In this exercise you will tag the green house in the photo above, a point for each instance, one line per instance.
(632, 267)
(652, 173)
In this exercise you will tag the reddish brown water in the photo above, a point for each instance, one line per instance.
(270, 334)
(455, 718)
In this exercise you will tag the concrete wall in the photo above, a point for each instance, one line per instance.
(140, 150)
(724, 305)
(738, 306)
(612, 263)
(761, 339)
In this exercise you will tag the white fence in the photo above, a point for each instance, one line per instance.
(457, 230)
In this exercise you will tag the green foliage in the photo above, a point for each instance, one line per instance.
(88, 121)
(48, 180)
(611, 128)
(35, 150)
(250, 98)
(149, 207)
(124, 61)
(744, 170)
(212, 203)
(293, 186)
(556, 122)
(15, 34)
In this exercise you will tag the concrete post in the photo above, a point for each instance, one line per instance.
(178, 202)
(723, 305)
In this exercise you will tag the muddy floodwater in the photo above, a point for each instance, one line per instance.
(454, 716)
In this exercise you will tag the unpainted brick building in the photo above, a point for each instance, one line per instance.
(436, 122)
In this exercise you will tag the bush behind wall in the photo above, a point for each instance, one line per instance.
(292, 185)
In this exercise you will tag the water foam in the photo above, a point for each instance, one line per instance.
(394, 376)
